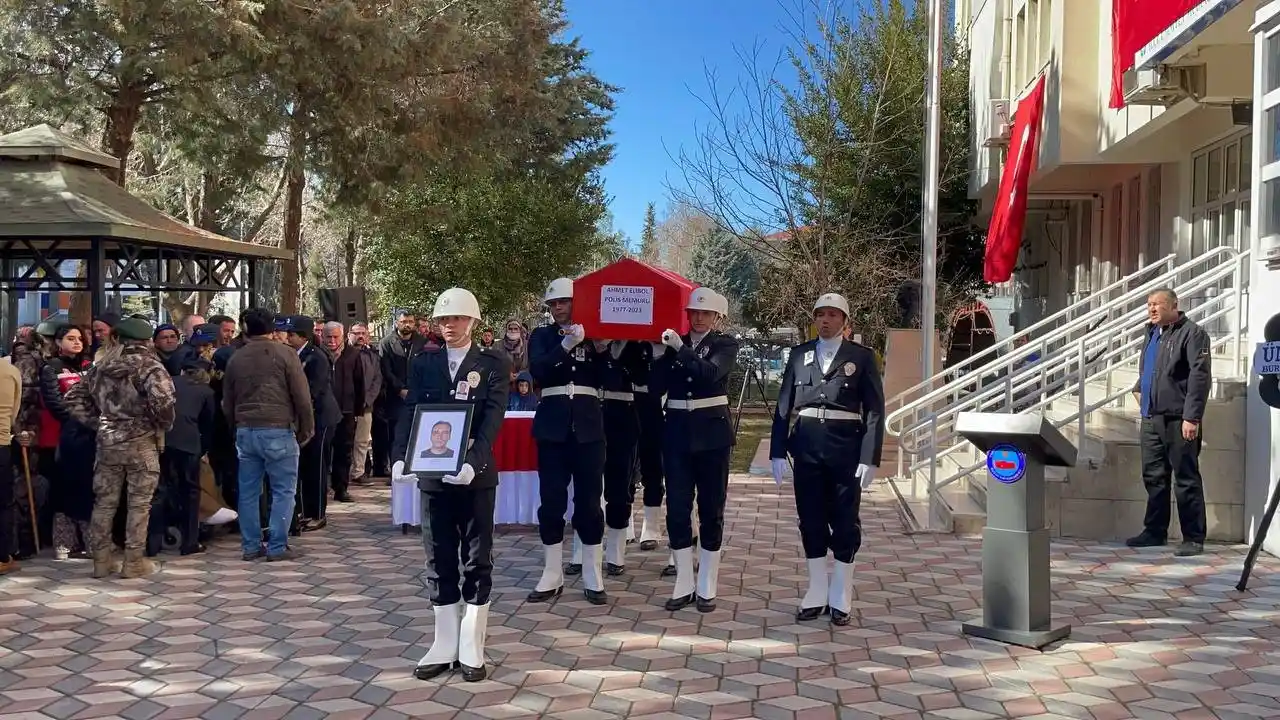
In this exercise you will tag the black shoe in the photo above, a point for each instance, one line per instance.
(470, 674)
(840, 618)
(679, 603)
(614, 570)
(1146, 539)
(596, 597)
(669, 571)
(430, 672)
(288, 554)
(648, 545)
(342, 497)
(813, 613)
(312, 525)
(194, 550)
(538, 596)
(705, 605)
(573, 569)
(1189, 548)
(251, 556)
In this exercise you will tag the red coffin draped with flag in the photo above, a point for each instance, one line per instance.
(1004, 235)
(1134, 23)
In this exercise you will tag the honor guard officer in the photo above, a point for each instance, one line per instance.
(832, 388)
(568, 428)
(693, 372)
(619, 360)
(649, 412)
(457, 510)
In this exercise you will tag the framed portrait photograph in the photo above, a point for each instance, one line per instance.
(438, 440)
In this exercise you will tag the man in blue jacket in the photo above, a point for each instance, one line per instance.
(1173, 385)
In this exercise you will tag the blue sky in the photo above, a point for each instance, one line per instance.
(658, 52)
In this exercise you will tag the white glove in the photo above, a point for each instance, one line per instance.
(671, 339)
(617, 348)
(867, 474)
(601, 345)
(574, 334)
(397, 472)
(658, 349)
(779, 467)
(464, 476)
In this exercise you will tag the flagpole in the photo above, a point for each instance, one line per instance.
(929, 201)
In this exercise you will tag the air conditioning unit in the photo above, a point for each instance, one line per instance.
(1164, 85)
(999, 122)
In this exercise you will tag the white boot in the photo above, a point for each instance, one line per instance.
(592, 579)
(576, 557)
(616, 547)
(444, 646)
(840, 594)
(552, 568)
(475, 627)
(815, 598)
(649, 532)
(708, 573)
(686, 577)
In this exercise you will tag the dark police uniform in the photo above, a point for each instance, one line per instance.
(568, 428)
(698, 435)
(649, 450)
(317, 455)
(618, 364)
(838, 425)
(457, 520)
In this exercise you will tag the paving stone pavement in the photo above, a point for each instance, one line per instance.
(337, 633)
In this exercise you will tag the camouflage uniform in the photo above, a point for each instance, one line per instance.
(133, 396)
(28, 363)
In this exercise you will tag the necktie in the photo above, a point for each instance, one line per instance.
(453, 368)
(827, 357)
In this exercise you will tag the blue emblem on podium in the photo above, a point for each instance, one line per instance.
(1006, 464)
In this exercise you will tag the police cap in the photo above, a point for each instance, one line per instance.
(49, 328)
(300, 324)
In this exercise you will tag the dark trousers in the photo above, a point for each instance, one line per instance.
(828, 501)
(41, 468)
(344, 443)
(1170, 461)
(381, 437)
(8, 543)
(559, 465)
(180, 476)
(649, 449)
(395, 415)
(619, 472)
(313, 475)
(701, 476)
(224, 463)
(457, 535)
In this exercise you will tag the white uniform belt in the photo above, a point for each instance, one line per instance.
(640, 388)
(829, 414)
(570, 390)
(698, 404)
(620, 396)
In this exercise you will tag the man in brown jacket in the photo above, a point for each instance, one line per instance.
(267, 402)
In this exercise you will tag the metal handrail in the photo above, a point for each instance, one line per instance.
(1051, 321)
(1102, 333)
(1065, 389)
(1103, 312)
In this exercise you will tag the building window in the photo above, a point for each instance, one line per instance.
(1220, 201)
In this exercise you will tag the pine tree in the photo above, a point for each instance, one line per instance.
(649, 236)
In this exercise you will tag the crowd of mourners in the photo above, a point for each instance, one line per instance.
(124, 439)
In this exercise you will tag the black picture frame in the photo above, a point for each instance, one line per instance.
(419, 459)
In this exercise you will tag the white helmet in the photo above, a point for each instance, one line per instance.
(559, 289)
(704, 298)
(832, 300)
(456, 302)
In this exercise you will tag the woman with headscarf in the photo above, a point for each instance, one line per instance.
(72, 478)
(515, 342)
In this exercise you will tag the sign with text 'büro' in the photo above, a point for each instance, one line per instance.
(1266, 359)
(626, 304)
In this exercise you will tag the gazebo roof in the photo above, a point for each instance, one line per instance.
(52, 187)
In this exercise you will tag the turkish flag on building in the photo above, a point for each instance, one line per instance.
(1134, 23)
(1004, 235)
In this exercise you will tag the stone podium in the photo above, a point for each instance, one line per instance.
(1015, 542)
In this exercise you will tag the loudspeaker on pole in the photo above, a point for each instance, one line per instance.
(345, 305)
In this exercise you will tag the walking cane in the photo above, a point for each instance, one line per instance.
(31, 498)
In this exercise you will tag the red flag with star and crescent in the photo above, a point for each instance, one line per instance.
(1004, 234)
